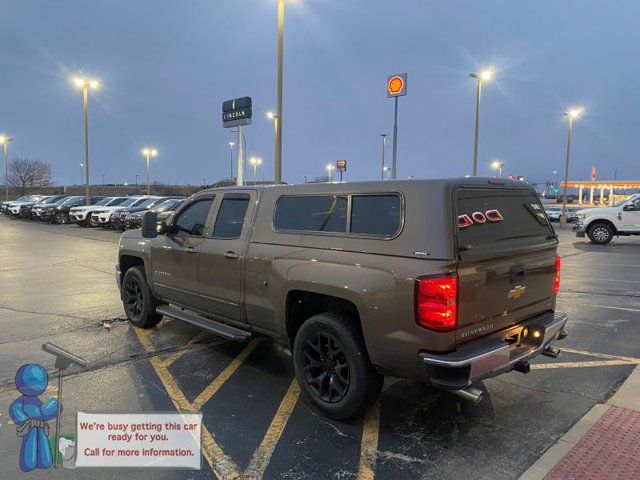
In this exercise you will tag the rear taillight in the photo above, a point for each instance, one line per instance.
(556, 277)
(437, 302)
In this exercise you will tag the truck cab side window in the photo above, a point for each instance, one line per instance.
(231, 217)
(192, 220)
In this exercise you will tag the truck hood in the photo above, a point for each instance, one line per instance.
(590, 212)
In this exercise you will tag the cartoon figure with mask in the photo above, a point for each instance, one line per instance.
(31, 416)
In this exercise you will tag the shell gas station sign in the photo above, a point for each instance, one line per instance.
(397, 85)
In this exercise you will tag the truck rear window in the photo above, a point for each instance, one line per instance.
(494, 215)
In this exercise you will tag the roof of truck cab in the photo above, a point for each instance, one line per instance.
(390, 185)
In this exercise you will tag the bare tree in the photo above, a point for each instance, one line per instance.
(26, 174)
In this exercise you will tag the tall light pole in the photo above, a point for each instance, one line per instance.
(384, 144)
(85, 84)
(254, 162)
(498, 165)
(330, 168)
(4, 141)
(572, 115)
(148, 153)
(231, 144)
(278, 116)
(482, 76)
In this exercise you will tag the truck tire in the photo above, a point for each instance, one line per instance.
(333, 368)
(600, 233)
(138, 301)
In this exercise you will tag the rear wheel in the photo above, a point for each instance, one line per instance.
(137, 299)
(333, 368)
(600, 233)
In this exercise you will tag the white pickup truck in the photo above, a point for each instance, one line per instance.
(601, 224)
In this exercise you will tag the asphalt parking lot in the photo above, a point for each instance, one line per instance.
(57, 284)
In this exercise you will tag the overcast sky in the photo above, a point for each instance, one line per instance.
(166, 66)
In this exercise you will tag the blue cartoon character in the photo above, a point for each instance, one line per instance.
(31, 416)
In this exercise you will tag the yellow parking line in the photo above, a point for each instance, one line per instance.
(624, 309)
(214, 386)
(262, 456)
(369, 444)
(223, 467)
(175, 356)
(597, 363)
(601, 355)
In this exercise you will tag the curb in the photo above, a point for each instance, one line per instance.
(628, 396)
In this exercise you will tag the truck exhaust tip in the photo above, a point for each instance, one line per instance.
(469, 394)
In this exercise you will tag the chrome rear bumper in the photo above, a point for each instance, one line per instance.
(493, 355)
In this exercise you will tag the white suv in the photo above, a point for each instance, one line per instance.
(102, 216)
(81, 215)
(601, 224)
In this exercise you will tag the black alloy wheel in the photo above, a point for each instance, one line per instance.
(133, 298)
(61, 218)
(326, 369)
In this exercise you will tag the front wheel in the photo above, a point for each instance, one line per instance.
(600, 233)
(61, 218)
(333, 368)
(137, 299)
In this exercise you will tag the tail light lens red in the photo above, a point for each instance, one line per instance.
(437, 302)
(556, 277)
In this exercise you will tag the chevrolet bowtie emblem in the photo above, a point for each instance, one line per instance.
(516, 292)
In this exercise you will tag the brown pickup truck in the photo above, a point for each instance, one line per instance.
(444, 281)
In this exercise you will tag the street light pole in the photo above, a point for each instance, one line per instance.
(254, 163)
(572, 114)
(384, 144)
(330, 168)
(85, 84)
(4, 141)
(480, 77)
(231, 144)
(278, 116)
(148, 153)
(85, 109)
(498, 165)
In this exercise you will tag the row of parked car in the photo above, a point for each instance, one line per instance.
(107, 212)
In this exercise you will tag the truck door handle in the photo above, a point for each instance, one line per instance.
(231, 255)
(191, 250)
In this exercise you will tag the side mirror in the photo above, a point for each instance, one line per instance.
(629, 207)
(150, 225)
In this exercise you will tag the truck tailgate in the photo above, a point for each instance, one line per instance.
(507, 260)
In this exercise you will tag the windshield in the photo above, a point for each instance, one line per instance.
(167, 205)
(50, 200)
(148, 203)
(138, 202)
(116, 201)
(129, 201)
(69, 200)
(622, 202)
(103, 202)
